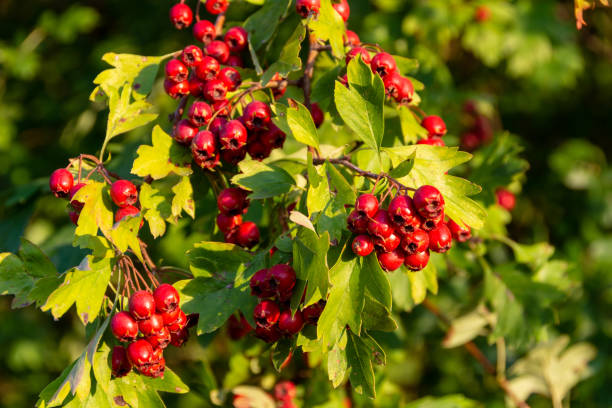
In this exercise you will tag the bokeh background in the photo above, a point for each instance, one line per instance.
(527, 67)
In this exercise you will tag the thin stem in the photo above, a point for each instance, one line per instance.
(313, 53)
(197, 11)
(219, 23)
(174, 269)
(175, 116)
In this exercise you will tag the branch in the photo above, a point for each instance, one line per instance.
(313, 53)
(175, 116)
(473, 349)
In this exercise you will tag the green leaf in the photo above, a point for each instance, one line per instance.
(359, 357)
(322, 84)
(282, 350)
(318, 188)
(97, 210)
(297, 121)
(125, 234)
(169, 383)
(183, 198)
(125, 115)
(262, 24)
(411, 128)
(345, 193)
(336, 365)
(328, 26)
(84, 285)
(36, 263)
(361, 105)
(289, 59)
(264, 180)
(377, 282)
(376, 316)
(403, 169)
(310, 263)
(422, 281)
(535, 255)
(406, 65)
(448, 401)
(162, 158)
(155, 208)
(464, 329)
(207, 259)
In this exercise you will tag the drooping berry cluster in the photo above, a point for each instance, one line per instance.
(479, 129)
(406, 231)
(232, 204)
(436, 128)
(152, 322)
(273, 317)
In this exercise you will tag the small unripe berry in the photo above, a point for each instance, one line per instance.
(236, 39)
(215, 90)
(343, 9)
(290, 324)
(440, 238)
(141, 305)
(414, 242)
(140, 353)
(266, 313)
(231, 77)
(204, 31)
(418, 261)
(166, 298)
(199, 114)
(434, 125)
(181, 16)
(306, 7)
(459, 233)
(390, 261)
(124, 193)
(380, 225)
(127, 211)
(366, 205)
(363, 245)
(248, 234)
(176, 71)
(192, 55)
(208, 68)
(216, 6)
(505, 199)
(219, 50)
(428, 201)
(124, 327)
(232, 201)
(184, 132)
(317, 114)
(60, 182)
(256, 115)
(120, 365)
(383, 64)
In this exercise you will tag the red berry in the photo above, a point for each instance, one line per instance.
(343, 9)
(505, 199)
(120, 365)
(269, 334)
(176, 71)
(208, 68)
(61, 182)
(459, 233)
(414, 242)
(77, 205)
(196, 87)
(219, 50)
(228, 222)
(387, 244)
(215, 90)
(179, 338)
(430, 224)
(418, 261)
(179, 324)
(216, 6)
(171, 317)
(233, 156)
(390, 261)
(434, 125)
(74, 217)
(352, 38)
(141, 305)
(282, 280)
(232, 201)
(483, 13)
(217, 124)
(185, 131)
(398, 87)
(311, 313)
(366, 205)
(256, 115)
(234, 61)
(207, 162)
(258, 150)
(470, 141)
(306, 7)
(273, 137)
(403, 214)
(124, 193)
(204, 145)
(166, 298)
(428, 201)
(199, 114)
(140, 353)
(380, 225)
(176, 89)
(124, 327)
(383, 64)
(232, 135)
(363, 245)
(433, 141)
(204, 31)
(440, 238)
(248, 234)
(181, 16)
(160, 339)
(357, 223)
(192, 55)
(222, 108)
(127, 211)
(152, 325)
(231, 77)
(261, 284)
(290, 325)
(236, 39)
(317, 114)
(238, 328)
(365, 55)
(285, 391)
(266, 313)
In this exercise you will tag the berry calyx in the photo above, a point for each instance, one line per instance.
(459, 233)
(233, 135)
(181, 16)
(366, 205)
(123, 193)
(216, 6)
(440, 238)
(140, 353)
(204, 31)
(266, 313)
(248, 235)
(428, 201)
(307, 7)
(176, 71)
(152, 325)
(256, 115)
(390, 261)
(192, 55)
(383, 64)
(414, 242)
(357, 223)
(505, 199)
(60, 183)
(363, 245)
(418, 261)
(380, 225)
(120, 364)
(403, 214)
(232, 201)
(141, 305)
(434, 125)
(215, 90)
(124, 327)
(185, 130)
(290, 324)
(236, 39)
(429, 224)
(166, 298)
(398, 88)
(387, 244)
(199, 114)
(208, 68)
(161, 339)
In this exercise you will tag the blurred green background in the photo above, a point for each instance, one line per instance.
(527, 67)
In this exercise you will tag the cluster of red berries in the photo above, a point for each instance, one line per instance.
(406, 231)
(436, 128)
(181, 14)
(123, 193)
(479, 129)
(159, 320)
(273, 317)
(232, 203)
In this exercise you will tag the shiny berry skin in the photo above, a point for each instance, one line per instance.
(266, 313)
(152, 325)
(459, 233)
(231, 77)
(199, 114)
(219, 50)
(233, 135)
(77, 205)
(440, 238)
(235, 61)
(196, 86)
(290, 325)
(362, 245)
(317, 114)
(257, 150)
(366, 205)
(282, 279)
(166, 298)
(403, 214)
(204, 145)
(248, 234)
(343, 9)
(311, 313)
(261, 284)
(383, 64)
(204, 31)
(60, 182)
(273, 138)
(351, 39)
(127, 211)
(208, 68)
(380, 225)
(365, 55)
(215, 90)
(141, 305)
(285, 390)
(179, 338)
(185, 131)
(170, 317)
(269, 334)
(387, 244)
(232, 201)
(414, 242)
(192, 55)
(418, 261)
(124, 193)
(176, 89)
(238, 328)
(428, 201)
(228, 222)
(124, 327)
(434, 125)
(179, 324)
(306, 7)
(140, 353)
(222, 108)
(256, 115)
(160, 339)
(217, 124)
(181, 16)
(120, 365)
(505, 199)
(356, 223)
(216, 6)
(390, 261)
(434, 141)
(233, 156)
(176, 71)
(236, 39)
(398, 87)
